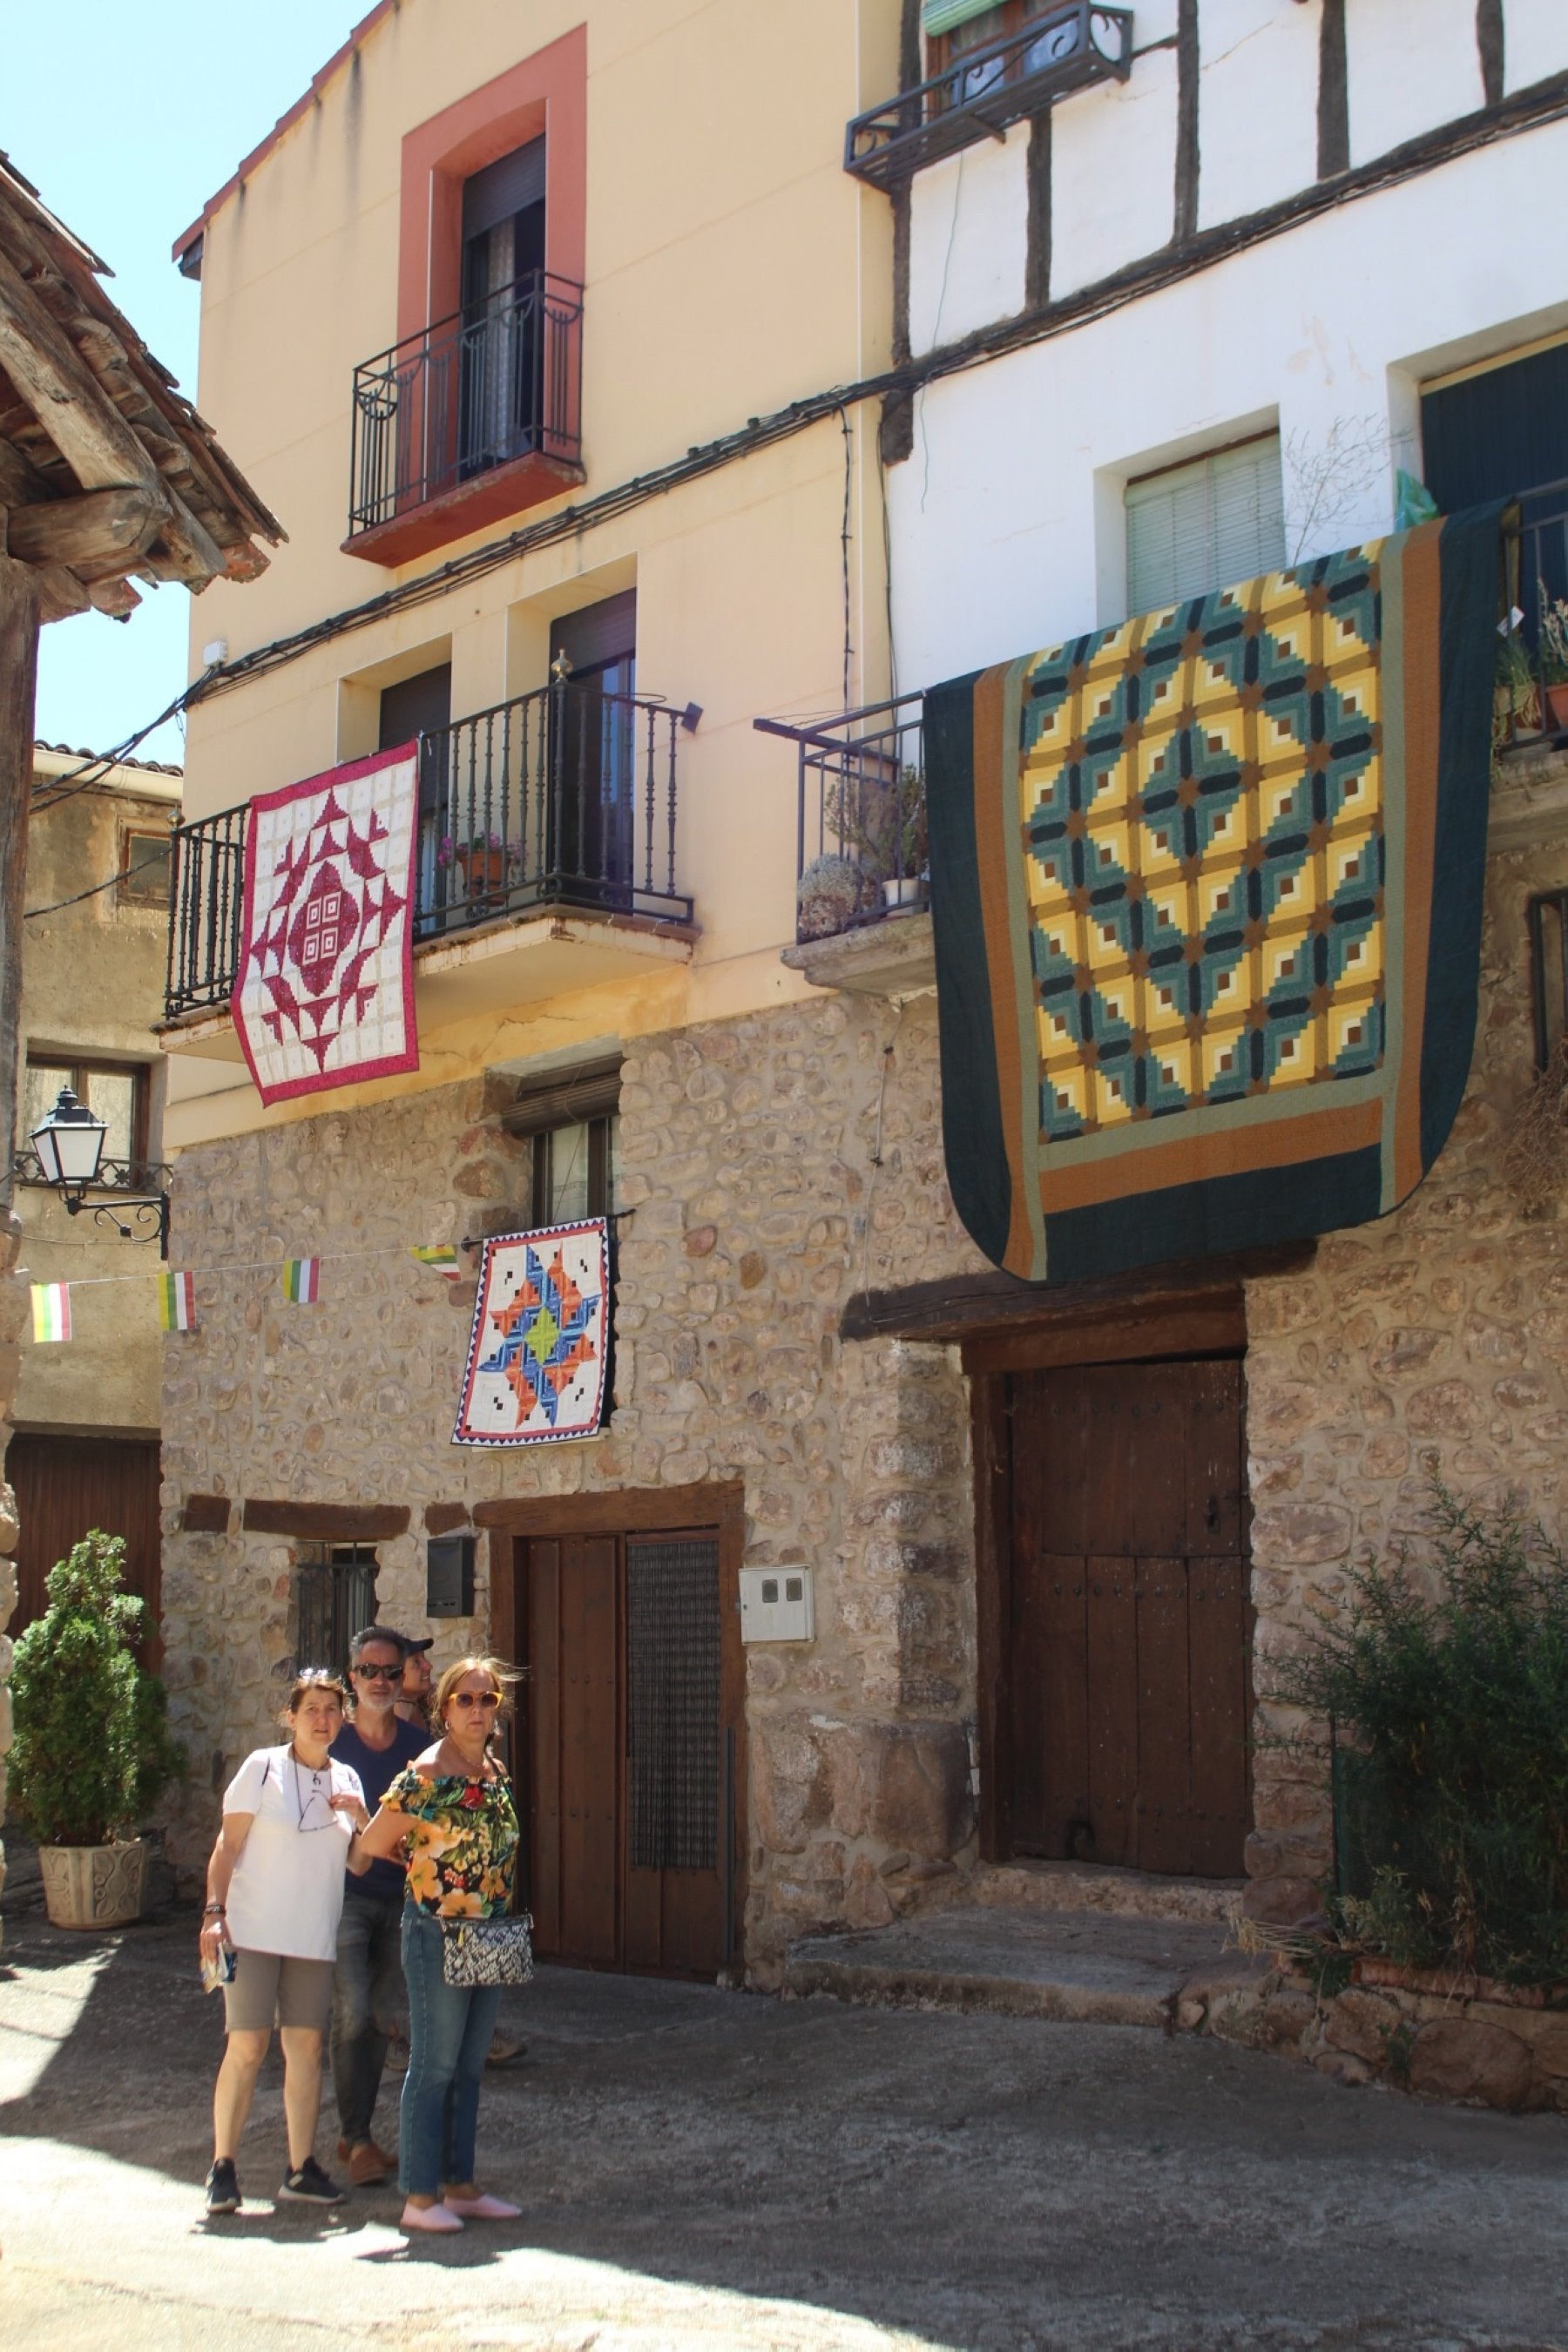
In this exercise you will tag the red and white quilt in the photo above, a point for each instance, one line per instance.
(325, 991)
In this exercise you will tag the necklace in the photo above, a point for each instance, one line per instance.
(301, 1802)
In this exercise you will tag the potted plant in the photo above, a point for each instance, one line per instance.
(882, 820)
(482, 856)
(1553, 645)
(1516, 697)
(93, 1753)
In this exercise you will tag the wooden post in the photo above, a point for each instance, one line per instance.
(19, 598)
(18, 677)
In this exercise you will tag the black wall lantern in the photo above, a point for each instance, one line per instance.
(450, 1576)
(69, 1144)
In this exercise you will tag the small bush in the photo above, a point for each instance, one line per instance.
(1453, 1794)
(92, 1753)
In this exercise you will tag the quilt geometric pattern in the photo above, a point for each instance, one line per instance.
(1202, 806)
(1206, 898)
(325, 991)
(538, 1351)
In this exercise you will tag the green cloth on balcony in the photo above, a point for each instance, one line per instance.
(942, 16)
(1206, 892)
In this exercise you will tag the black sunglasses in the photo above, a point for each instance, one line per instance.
(379, 1674)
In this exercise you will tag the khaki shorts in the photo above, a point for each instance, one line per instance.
(274, 1987)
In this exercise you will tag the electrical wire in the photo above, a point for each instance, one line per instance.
(154, 857)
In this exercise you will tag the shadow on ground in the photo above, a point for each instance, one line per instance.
(976, 2182)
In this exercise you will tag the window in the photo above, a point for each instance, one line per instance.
(334, 1599)
(144, 869)
(1497, 432)
(422, 705)
(575, 1123)
(595, 811)
(115, 1092)
(1195, 527)
(500, 392)
(953, 27)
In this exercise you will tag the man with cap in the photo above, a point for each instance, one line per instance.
(367, 1980)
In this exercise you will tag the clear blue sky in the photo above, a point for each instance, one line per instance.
(126, 115)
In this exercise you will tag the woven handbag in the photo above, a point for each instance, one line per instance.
(478, 1952)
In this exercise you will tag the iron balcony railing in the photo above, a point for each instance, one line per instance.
(861, 823)
(502, 379)
(984, 89)
(1532, 663)
(565, 797)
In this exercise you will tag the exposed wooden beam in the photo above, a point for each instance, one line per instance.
(20, 588)
(97, 534)
(21, 484)
(970, 1306)
(327, 1522)
(61, 593)
(45, 367)
(189, 546)
(115, 597)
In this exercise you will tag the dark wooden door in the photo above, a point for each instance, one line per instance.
(67, 1485)
(629, 1740)
(1130, 1639)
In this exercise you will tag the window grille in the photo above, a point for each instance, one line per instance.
(334, 1599)
(1195, 527)
(673, 1703)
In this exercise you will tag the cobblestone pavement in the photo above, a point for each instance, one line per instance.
(708, 2168)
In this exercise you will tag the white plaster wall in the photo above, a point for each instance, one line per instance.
(968, 239)
(1257, 104)
(1410, 68)
(993, 521)
(1113, 171)
(1536, 41)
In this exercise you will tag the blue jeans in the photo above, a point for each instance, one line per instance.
(367, 1983)
(449, 2029)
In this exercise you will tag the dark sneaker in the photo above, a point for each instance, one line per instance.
(309, 2185)
(223, 2187)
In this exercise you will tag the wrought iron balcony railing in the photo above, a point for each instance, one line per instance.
(499, 380)
(860, 826)
(1532, 665)
(565, 797)
(985, 89)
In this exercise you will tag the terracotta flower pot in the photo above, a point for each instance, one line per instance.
(484, 872)
(1557, 708)
(94, 1885)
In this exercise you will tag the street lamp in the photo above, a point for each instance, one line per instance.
(70, 1145)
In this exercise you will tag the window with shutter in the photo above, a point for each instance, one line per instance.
(1197, 527)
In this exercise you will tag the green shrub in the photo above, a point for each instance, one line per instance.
(92, 1753)
(1452, 1788)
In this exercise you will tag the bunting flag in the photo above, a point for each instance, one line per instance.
(325, 995)
(177, 1302)
(439, 1257)
(302, 1280)
(51, 1310)
(1206, 898)
(536, 1356)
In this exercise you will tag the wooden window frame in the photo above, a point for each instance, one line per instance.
(85, 1067)
(131, 849)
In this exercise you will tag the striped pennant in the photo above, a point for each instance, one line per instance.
(177, 1302)
(441, 1258)
(51, 1310)
(302, 1280)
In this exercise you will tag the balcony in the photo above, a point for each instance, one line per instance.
(468, 422)
(987, 88)
(546, 862)
(860, 849)
(1530, 710)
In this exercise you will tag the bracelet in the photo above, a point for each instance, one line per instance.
(219, 1908)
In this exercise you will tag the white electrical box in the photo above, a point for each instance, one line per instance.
(776, 1605)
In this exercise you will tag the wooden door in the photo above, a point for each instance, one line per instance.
(629, 1739)
(1129, 1632)
(67, 1485)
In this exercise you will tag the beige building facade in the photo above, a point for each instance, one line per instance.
(816, 1380)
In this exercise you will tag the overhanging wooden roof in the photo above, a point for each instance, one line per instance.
(106, 471)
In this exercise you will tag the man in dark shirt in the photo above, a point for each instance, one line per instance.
(367, 1982)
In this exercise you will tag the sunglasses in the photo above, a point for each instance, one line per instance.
(379, 1674)
(485, 1699)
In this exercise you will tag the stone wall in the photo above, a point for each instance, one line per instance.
(748, 1157)
(1433, 1342)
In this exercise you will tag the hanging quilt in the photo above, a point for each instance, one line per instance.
(325, 991)
(540, 1346)
(1207, 895)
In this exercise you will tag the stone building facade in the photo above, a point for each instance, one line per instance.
(775, 1165)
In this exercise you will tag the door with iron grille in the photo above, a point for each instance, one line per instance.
(630, 1736)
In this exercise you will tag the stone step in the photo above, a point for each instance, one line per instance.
(1091, 1967)
(1093, 1886)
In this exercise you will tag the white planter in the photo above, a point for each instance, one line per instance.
(903, 895)
(94, 1885)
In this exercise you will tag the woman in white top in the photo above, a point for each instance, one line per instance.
(291, 1817)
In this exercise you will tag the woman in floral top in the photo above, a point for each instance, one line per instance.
(450, 1818)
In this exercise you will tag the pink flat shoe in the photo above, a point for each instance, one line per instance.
(485, 2208)
(438, 2219)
